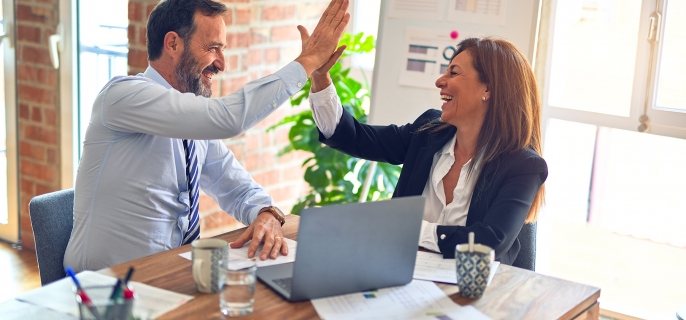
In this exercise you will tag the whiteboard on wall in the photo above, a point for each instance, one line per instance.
(416, 36)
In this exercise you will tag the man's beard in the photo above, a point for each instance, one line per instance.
(189, 78)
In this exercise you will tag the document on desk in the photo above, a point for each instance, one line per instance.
(151, 302)
(241, 254)
(431, 266)
(416, 300)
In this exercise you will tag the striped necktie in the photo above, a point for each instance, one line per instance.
(193, 193)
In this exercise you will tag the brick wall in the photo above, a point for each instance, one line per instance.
(262, 37)
(38, 106)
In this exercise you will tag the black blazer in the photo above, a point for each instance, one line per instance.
(502, 195)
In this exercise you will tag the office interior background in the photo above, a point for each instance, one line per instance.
(608, 69)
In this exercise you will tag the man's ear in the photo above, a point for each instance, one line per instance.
(173, 44)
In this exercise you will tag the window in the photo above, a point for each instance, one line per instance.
(9, 209)
(103, 48)
(615, 129)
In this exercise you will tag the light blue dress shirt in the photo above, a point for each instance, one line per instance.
(131, 193)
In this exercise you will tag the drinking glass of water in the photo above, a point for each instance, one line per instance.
(237, 295)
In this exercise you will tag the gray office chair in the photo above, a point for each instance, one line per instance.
(52, 218)
(526, 259)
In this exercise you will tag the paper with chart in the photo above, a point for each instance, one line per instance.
(484, 12)
(415, 9)
(151, 302)
(427, 53)
(431, 266)
(416, 300)
(236, 256)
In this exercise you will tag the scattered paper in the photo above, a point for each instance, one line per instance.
(431, 266)
(239, 257)
(416, 300)
(151, 302)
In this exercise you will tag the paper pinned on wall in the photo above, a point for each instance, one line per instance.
(416, 9)
(478, 11)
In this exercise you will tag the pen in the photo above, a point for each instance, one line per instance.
(82, 294)
(129, 273)
(114, 296)
(115, 290)
(128, 293)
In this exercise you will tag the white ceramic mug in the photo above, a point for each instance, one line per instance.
(208, 257)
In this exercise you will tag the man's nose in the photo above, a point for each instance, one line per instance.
(220, 63)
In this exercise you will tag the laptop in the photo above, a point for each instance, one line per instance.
(350, 248)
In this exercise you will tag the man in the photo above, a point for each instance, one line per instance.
(149, 147)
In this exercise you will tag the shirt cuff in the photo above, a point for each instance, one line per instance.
(326, 110)
(427, 237)
(294, 75)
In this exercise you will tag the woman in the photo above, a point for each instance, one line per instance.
(477, 162)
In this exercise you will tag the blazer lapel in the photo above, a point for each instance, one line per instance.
(434, 141)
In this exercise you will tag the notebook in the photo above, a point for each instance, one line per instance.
(350, 248)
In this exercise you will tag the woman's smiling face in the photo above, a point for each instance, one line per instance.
(465, 96)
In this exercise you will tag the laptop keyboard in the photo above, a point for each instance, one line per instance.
(284, 283)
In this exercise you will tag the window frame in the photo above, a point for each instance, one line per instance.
(667, 123)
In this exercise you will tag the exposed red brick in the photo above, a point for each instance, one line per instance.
(268, 178)
(27, 13)
(39, 171)
(32, 151)
(285, 33)
(243, 16)
(228, 17)
(34, 55)
(135, 11)
(50, 117)
(29, 33)
(273, 13)
(138, 61)
(311, 11)
(31, 93)
(26, 186)
(36, 114)
(272, 55)
(38, 101)
(52, 155)
(24, 111)
(148, 10)
(40, 133)
(255, 57)
(42, 188)
(143, 37)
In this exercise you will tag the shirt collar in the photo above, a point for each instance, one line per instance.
(151, 73)
(449, 148)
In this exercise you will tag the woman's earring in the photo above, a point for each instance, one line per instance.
(483, 98)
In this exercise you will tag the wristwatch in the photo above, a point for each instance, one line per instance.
(276, 212)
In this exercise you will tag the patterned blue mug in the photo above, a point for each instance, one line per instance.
(473, 268)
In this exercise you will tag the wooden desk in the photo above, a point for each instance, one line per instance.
(514, 293)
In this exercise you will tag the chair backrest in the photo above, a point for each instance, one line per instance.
(52, 218)
(526, 259)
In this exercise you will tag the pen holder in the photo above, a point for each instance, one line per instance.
(99, 306)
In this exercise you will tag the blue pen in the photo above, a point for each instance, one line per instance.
(84, 297)
(129, 273)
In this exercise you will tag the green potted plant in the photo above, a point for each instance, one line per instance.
(335, 177)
